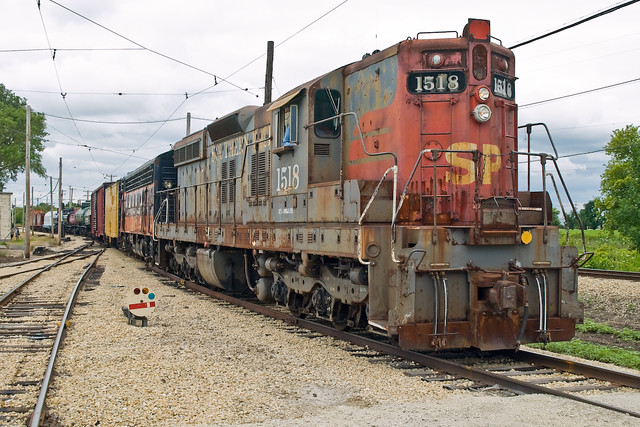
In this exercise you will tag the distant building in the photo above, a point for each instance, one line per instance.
(5, 216)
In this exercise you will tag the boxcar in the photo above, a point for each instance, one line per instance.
(97, 212)
(111, 213)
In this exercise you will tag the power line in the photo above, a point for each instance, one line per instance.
(216, 77)
(104, 122)
(53, 59)
(581, 93)
(575, 24)
(187, 94)
(290, 37)
(105, 49)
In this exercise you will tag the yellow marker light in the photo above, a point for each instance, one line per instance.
(526, 237)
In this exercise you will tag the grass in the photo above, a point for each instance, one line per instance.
(612, 250)
(602, 353)
(618, 356)
(35, 240)
(626, 334)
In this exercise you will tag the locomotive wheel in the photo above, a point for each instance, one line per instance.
(341, 326)
(297, 312)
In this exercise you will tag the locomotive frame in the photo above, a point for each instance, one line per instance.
(381, 194)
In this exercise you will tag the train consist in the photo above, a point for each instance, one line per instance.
(382, 194)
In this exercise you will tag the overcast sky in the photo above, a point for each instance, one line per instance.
(130, 76)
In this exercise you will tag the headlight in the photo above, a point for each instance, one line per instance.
(483, 93)
(436, 60)
(482, 113)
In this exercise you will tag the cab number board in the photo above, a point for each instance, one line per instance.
(436, 82)
(503, 87)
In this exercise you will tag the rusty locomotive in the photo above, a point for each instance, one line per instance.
(382, 194)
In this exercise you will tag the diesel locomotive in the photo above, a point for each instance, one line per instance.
(383, 194)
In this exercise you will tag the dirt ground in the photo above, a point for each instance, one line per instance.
(613, 302)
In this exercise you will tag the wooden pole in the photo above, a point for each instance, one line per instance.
(51, 200)
(59, 204)
(269, 75)
(26, 218)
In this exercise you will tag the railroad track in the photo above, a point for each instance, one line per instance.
(524, 372)
(33, 316)
(610, 274)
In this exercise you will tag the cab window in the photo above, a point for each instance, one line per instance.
(327, 103)
(287, 119)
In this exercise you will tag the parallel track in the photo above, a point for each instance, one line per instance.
(610, 274)
(536, 364)
(29, 322)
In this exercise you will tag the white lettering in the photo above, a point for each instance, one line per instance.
(288, 177)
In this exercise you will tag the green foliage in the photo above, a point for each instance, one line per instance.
(13, 136)
(626, 334)
(617, 356)
(612, 250)
(620, 184)
(591, 217)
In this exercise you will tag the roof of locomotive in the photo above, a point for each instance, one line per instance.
(251, 117)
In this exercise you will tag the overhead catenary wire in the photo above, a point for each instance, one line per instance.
(155, 52)
(575, 24)
(62, 93)
(557, 98)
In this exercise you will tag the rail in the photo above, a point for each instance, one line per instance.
(611, 274)
(37, 413)
(434, 362)
(9, 295)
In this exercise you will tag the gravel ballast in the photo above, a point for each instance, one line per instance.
(204, 362)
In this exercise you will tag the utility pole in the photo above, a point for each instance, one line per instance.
(34, 205)
(70, 197)
(51, 200)
(188, 124)
(269, 75)
(26, 218)
(59, 205)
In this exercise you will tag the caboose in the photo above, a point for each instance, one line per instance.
(381, 194)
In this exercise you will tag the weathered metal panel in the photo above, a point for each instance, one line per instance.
(111, 204)
(325, 203)
(5, 216)
(98, 211)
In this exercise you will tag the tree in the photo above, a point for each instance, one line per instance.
(591, 216)
(620, 184)
(13, 136)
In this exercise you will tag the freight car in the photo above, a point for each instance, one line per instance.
(112, 213)
(97, 228)
(383, 193)
(76, 221)
(37, 220)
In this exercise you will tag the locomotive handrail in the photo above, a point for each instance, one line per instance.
(366, 209)
(395, 180)
(438, 32)
(406, 187)
(529, 126)
(155, 220)
(554, 159)
(351, 113)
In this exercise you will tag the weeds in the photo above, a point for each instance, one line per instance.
(602, 353)
(626, 334)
